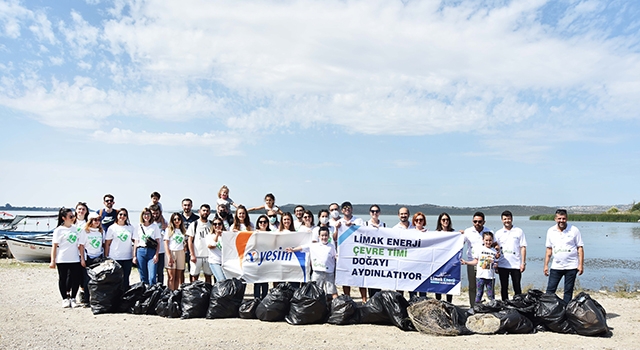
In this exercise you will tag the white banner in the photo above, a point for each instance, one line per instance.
(397, 259)
(261, 257)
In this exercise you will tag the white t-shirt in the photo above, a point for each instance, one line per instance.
(226, 202)
(162, 233)
(510, 242)
(304, 228)
(473, 240)
(142, 232)
(79, 225)
(323, 256)
(315, 234)
(354, 220)
(176, 241)
(199, 237)
(402, 227)
(121, 247)
(215, 254)
(68, 241)
(93, 242)
(159, 205)
(486, 257)
(372, 224)
(565, 247)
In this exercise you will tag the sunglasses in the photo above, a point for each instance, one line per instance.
(374, 211)
(108, 200)
(420, 219)
(306, 217)
(217, 224)
(444, 219)
(262, 222)
(177, 219)
(478, 221)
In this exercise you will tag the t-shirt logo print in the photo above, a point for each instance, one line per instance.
(72, 238)
(95, 243)
(178, 238)
(123, 236)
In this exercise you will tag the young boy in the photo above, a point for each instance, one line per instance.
(323, 261)
(486, 260)
(155, 199)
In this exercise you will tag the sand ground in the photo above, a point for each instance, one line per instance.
(32, 318)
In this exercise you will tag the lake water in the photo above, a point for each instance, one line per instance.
(611, 249)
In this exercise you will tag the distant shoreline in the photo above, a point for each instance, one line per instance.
(591, 217)
(427, 209)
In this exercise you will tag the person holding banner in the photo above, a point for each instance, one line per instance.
(323, 261)
(286, 223)
(473, 241)
(307, 222)
(260, 290)
(274, 224)
(374, 211)
(348, 219)
(419, 221)
(444, 224)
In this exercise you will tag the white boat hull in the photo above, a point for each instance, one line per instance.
(24, 250)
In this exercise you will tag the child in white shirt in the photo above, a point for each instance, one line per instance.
(486, 259)
(323, 261)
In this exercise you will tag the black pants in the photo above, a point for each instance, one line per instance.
(516, 276)
(449, 297)
(69, 278)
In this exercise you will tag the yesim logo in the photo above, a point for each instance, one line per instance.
(259, 257)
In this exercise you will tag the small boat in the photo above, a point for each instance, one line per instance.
(6, 217)
(34, 248)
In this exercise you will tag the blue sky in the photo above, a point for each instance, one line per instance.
(463, 103)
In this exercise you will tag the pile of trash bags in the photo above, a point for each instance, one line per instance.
(525, 313)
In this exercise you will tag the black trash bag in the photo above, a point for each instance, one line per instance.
(374, 311)
(308, 305)
(195, 299)
(131, 296)
(169, 304)
(248, 308)
(226, 297)
(488, 307)
(551, 311)
(587, 316)
(146, 305)
(275, 306)
(343, 311)
(396, 306)
(105, 286)
(525, 303)
(513, 322)
(175, 304)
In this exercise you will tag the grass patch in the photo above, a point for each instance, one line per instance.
(591, 217)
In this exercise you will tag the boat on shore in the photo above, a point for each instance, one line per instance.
(35, 248)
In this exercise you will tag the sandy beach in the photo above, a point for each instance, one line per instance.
(32, 318)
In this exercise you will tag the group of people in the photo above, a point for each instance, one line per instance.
(193, 242)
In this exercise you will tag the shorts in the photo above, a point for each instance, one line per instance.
(178, 260)
(326, 281)
(201, 264)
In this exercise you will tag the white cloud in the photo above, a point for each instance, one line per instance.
(371, 67)
(222, 144)
(11, 17)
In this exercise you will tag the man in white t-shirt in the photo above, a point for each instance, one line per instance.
(403, 215)
(473, 240)
(298, 212)
(197, 233)
(348, 219)
(564, 242)
(513, 260)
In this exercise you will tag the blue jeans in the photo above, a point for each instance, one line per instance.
(217, 272)
(569, 282)
(146, 266)
(126, 272)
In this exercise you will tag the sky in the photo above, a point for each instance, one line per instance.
(456, 103)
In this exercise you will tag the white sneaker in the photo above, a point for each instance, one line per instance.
(66, 303)
(73, 303)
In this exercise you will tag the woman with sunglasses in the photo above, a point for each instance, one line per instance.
(444, 224)
(214, 243)
(93, 237)
(260, 290)
(307, 222)
(146, 257)
(374, 211)
(419, 222)
(118, 244)
(67, 255)
(241, 221)
(174, 245)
